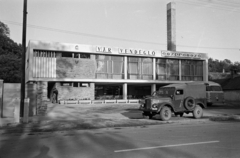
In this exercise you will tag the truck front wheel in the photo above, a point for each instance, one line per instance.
(165, 113)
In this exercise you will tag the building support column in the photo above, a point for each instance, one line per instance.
(180, 70)
(42, 97)
(205, 70)
(153, 88)
(154, 68)
(31, 93)
(44, 88)
(125, 91)
(92, 85)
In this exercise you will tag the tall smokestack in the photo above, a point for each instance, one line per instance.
(171, 26)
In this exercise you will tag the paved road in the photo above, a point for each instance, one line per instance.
(208, 140)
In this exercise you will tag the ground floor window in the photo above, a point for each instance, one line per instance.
(105, 92)
(110, 92)
(75, 84)
(138, 92)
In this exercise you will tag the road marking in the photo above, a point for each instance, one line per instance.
(166, 146)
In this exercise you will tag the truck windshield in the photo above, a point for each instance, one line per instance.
(165, 91)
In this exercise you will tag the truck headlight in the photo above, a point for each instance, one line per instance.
(154, 107)
(141, 106)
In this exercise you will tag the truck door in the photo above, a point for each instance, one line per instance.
(178, 99)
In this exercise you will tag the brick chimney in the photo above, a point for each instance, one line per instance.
(171, 26)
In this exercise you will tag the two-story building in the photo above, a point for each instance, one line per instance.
(94, 72)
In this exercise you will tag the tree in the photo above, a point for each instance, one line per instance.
(214, 65)
(10, 57)
(220, 65)
(4, 30)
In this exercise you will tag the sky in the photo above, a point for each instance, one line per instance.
(203, 26)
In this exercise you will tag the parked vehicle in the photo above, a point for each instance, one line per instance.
(214, 93)
(178, 99)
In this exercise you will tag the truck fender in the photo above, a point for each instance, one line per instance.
(161, 105)
(201, 104)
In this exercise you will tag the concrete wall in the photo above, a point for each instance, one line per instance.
(1, 98)
(11, 95)
(233, 95)
(69, 92)
(11, 98)
(75, 68)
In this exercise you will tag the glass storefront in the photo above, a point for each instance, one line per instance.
(110, 92)
(138, 68)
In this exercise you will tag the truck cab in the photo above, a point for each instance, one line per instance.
(176, 98)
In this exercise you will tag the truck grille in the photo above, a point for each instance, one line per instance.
(148, 104)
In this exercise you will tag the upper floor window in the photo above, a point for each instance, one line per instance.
(140, 68)
(167, 69)
(109, 67)
(76, 55)
(192, 70)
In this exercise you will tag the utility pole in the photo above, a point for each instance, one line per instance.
(24, 32)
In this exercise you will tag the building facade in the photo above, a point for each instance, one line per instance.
(87, 72)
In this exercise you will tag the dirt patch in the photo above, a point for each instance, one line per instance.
(225, 118)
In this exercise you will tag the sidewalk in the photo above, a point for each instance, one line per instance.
(73, 116)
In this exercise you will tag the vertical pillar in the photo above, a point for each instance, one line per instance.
(44, 86)
(125, 67)
(180, 70)
(26, 110)
(39, 97)
(92, 85)
(17, 110)
(1, 98)
(125, 91)
(154, 68)
(153, 88)
(31, 93)
(205, 70)
(171, 26)
(42, 97)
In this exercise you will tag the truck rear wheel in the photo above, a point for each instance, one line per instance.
(165, 113)
(197, 112)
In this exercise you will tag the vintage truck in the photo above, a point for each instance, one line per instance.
(215, 94)
(178, 99)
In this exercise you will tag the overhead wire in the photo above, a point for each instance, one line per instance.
(218, 2)
(228, 2)
(114, 38)
(79, 33)
(211, 5)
